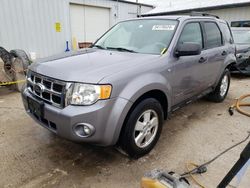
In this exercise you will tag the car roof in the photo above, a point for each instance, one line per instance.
(180, 17)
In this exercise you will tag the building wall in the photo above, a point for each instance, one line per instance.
(233, 14)
(180, 5)
(228, 14)
(30, 24)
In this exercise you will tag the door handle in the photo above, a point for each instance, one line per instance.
(202, 60)
(224, 53)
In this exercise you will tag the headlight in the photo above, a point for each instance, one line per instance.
(87, 94)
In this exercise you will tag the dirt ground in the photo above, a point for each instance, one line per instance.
(31, 156)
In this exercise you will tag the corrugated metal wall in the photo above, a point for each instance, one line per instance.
(30, 24)
(181, 5)
(233, 14)
(229, 14)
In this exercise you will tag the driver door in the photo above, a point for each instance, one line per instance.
(186, 69)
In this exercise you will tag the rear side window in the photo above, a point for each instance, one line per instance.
(191, 33)
(245, 23)
(226, 32)
(213, 35)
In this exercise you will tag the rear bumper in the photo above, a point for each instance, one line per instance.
(105, 116)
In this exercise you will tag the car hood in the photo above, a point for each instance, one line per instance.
(88, 66)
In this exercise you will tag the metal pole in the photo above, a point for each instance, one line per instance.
(137, 2)
(244, 157)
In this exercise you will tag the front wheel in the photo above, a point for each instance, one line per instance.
(142, 129)
(221, 90)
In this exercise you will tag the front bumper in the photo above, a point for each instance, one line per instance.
(106, 116)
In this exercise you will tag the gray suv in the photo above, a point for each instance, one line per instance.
(120, 91)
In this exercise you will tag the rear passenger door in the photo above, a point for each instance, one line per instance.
(214, 51)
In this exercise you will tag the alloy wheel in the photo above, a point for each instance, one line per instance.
(146, 128)
(224, 86)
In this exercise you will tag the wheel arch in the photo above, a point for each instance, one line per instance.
(230, 65)
(157, 94)
(148, 85)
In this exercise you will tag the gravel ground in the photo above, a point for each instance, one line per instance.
(31, 156)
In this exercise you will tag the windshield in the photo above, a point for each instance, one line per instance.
(241, 36)
(139, 36)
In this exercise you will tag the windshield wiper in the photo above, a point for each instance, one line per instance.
(121, 49)
(98, 46)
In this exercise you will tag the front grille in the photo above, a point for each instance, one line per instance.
(48, 89)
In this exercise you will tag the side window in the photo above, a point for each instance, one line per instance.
(226, 32)
(213, 35)
(191, 33)
(245, 23)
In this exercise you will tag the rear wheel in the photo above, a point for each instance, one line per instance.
(142, 128)
(221, 90)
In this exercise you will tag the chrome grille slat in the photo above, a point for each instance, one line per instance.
(47, 94)
(51, 91)
(37, 95)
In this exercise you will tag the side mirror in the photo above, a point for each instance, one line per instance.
(188, 49)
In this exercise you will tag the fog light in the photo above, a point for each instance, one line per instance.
(84, 130)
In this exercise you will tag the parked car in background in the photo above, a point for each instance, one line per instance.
(120, 91)
(242, 40)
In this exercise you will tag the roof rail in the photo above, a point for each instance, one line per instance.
(194, 13)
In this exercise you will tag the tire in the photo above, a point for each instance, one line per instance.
(5, 56)
(22, 56)
(221, 90)
(19, 75)
(148, 109)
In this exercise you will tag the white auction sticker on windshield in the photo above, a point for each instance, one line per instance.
(163, 27)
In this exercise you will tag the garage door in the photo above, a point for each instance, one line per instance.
(88, 23)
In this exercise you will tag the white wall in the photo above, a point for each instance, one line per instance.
(30, 24)
(233, 14)
(88, 23)
(177, 5)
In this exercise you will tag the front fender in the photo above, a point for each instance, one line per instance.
(135, 89)
(145, 83)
